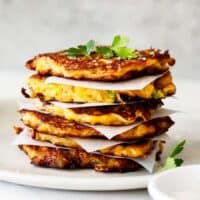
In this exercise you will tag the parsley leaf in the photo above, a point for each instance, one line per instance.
(119, 41)
(177, 149)
(74, 52)
(119, 48)
(178, 161)
(125, 53)
(172, 161)
(90, 47)
(82, 50)
(106, 52)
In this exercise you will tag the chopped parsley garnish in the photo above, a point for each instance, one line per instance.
(117, 49)
(158, 94)
(111, 94)
(172, 161)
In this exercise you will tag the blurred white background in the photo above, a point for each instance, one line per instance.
(31, 27)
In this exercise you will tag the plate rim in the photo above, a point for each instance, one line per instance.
(74, 183)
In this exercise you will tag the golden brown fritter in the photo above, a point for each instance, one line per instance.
(77, 159)
(56, 125)
(160, 88)
(149, 62)
(62, 127)
(139, 149)
(123, 114)
(68, 142)
(148, 129)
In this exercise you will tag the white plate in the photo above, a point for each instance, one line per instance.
(15, 166)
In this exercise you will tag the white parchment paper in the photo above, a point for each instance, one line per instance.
(30, 104)
(133, 84)
(112, 131)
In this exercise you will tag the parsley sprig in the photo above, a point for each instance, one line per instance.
(118, 49)
(172, 161)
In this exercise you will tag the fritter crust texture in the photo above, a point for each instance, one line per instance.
(149, 62)
(77, 159)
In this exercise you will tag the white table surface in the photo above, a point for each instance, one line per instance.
(12, 191)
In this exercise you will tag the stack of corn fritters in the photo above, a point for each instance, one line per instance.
(54, 122)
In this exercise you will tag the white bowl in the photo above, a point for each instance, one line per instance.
(182, 183)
